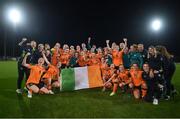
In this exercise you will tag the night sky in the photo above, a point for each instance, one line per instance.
(73, 21)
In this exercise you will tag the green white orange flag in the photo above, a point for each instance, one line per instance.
(80, 78)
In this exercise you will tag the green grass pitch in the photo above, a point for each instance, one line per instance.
(82, 103)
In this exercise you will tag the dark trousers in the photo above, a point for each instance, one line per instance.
(168, 77)
(153, 91)
(21, 71)
(159, 79)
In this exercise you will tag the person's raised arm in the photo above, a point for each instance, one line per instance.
(24, 60)
(89, 40)
(45, 58)
(89, 43)
(125, 43)
(107, 44)
(110, 79)
(23, 40)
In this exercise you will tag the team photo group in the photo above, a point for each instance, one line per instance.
(144, 73)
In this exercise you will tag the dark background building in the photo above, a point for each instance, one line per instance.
(73, 21)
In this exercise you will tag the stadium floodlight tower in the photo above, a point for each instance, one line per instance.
(15, 16)
(156, 25)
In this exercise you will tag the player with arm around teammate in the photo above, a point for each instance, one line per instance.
(139, 85)
(112, 78)
(124, 80)
(51, 77)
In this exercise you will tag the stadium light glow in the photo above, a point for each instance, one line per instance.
(156, 24)
(15, 15)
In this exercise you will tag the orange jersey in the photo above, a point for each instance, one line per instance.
(136, 77)
(117, 57)
(64, 58)
(106, 73)
(71, 52)
(60, 50)
(94, 61)
(55, 57)
(104, 65)
(81, 61)
(113, 72)
(35, 74)
(99, 55)
(124, 76)
(104, 69)
(89, 54)
(51, 73)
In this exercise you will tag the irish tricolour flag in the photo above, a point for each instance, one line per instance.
(80, 78)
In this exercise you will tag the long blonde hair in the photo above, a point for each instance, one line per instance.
(163, 51)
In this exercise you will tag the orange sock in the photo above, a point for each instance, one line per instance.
(115, 87)
(30, 90)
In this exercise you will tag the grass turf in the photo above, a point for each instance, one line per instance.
(82, 103)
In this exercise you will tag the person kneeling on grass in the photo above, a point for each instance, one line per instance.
(33, 83)
(108, 77)
(50, 78)
(124, 81)
(105, 72)
(152, 84)
(139, 85)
